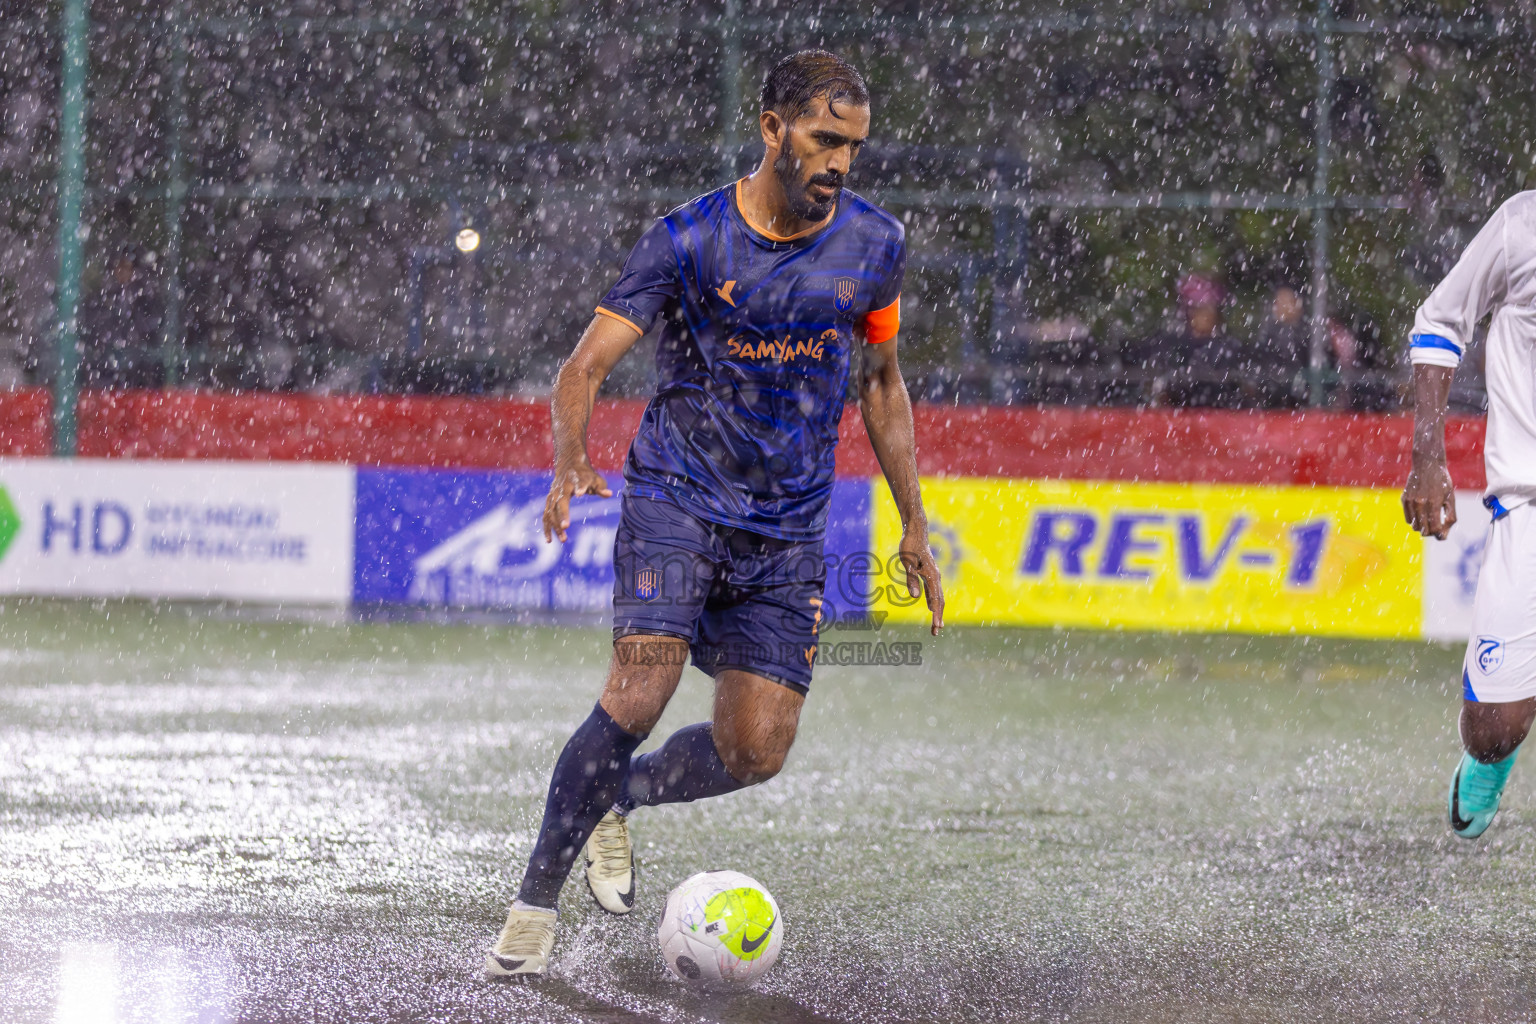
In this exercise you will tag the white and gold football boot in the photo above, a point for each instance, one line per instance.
(611, 864)
(524, 944)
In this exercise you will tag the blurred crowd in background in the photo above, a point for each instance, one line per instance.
(1108, 208)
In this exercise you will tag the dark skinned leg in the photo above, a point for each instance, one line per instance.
(642, 677)
(753, 728)
(590, 771)
(1491, 732)
(755, 722)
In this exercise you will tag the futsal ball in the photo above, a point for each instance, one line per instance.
(720, 929)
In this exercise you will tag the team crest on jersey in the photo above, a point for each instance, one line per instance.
(844, 290)
(1490, 654)
(648, 584)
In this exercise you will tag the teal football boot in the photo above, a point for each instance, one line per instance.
(1475, 792)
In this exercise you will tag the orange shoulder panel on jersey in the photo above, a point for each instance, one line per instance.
(882, 324)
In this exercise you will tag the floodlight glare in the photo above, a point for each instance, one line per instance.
(468, 240)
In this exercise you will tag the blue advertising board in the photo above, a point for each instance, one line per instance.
(474, 539)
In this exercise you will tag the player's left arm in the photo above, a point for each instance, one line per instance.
(887, 411)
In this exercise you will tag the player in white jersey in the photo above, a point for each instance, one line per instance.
(1496, 275)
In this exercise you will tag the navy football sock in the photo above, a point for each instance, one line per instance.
(587, 780)
(686, 767)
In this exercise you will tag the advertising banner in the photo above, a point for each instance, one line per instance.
(468, 539)
(192, 530)
(1315, 560)
(1319, 560)
(475, 539)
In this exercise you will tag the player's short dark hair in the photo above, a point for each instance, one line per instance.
(795, 82)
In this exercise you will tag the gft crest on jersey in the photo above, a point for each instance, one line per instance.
(1490, 654)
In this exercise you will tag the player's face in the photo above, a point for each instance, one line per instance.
(816, 151)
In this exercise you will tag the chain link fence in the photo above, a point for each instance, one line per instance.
(1234, 205)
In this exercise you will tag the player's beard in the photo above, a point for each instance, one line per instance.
(796, 189)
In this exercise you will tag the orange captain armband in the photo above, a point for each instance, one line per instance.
(882, 324)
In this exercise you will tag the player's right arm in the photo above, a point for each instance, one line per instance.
(1429, 498)
(650, 280)
(602, 345)
(1442, 331)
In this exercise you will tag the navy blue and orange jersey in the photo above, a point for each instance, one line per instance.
(753, 360)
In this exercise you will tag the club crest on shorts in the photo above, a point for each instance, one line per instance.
(844, 291)
(648, 584)
(1490, 654)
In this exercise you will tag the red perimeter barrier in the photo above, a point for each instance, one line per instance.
(1317, 448)
(1211, 446)
(25, 422)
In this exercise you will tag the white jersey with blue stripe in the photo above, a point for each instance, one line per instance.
(1495, 275)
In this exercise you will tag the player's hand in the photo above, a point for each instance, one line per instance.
(569, 482)
(1429, 499)
(923, 579)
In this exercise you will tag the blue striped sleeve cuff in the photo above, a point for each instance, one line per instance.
(1434, 341)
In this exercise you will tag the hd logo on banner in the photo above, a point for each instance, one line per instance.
(192, 530)
(1331, 561)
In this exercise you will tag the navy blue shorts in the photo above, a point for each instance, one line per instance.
(741, 600)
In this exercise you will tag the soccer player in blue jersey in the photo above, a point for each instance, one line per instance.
(771, 291)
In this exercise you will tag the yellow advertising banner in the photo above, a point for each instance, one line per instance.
(1321, 560)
